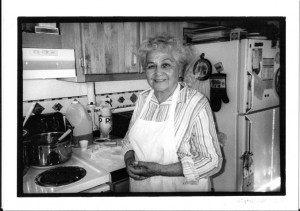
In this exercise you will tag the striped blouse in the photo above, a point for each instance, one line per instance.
(198, 147)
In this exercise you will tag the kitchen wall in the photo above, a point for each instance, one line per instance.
(55, 95)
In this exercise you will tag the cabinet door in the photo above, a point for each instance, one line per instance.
(131, 39)
(70, 39)
(150, 29)
(103, 49)
(93, 48)
(110, 47)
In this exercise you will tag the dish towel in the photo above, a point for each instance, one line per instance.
(248, 174)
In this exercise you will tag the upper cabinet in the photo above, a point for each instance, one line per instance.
(108, 50)
(110, 47)
(150, 29)
(103, 51)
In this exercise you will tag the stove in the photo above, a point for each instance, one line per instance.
(74, 176)
(58, 176)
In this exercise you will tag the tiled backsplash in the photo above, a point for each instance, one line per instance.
(118, 100)
(55, 95)
(48, 104)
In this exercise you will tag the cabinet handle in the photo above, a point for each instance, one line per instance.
(133, 59)
(81, 62)
(84, 65)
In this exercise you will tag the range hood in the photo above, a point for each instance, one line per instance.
(39, 63)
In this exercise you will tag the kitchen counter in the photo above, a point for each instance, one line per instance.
(109, 158)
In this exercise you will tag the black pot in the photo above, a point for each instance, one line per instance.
(42, 150)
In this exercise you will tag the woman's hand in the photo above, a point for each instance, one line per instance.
(147, 169)
(131, 166)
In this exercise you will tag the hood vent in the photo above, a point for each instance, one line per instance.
(41, 63)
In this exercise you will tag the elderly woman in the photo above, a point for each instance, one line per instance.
(171, 144)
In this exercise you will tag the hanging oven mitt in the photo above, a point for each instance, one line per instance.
(218, 91)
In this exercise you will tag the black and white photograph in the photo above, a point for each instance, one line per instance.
(146, 112)
(78, 138)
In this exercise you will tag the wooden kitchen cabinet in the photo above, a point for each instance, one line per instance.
(107, 51)
(150, 29)
(103, 51)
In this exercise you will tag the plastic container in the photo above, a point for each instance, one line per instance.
(82, 122)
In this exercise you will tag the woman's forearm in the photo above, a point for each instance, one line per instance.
(174, 169)
(150, 169)
(129, 156)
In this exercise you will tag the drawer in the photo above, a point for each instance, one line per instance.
(119, 181)
(98, 189)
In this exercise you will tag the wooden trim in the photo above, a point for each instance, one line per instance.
(115, 77)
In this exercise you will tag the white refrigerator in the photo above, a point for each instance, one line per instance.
(250, 120)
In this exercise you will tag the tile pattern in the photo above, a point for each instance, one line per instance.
(133, 98)
(117, 100)
(48, 104)
(57, 107)
(38, 109)
(121, 99)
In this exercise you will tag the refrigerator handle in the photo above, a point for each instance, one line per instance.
(248, 133)
(249, 92)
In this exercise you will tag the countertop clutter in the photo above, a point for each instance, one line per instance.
(99, 166)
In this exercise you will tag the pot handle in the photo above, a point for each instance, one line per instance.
(63, 136)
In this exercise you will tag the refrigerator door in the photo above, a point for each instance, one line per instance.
(259, 64)
(261, 132)
(225, 118)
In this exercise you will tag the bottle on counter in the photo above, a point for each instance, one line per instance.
(82, 122)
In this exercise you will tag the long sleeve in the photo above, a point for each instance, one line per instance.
(202, 155)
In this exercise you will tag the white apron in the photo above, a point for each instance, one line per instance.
(155, 142)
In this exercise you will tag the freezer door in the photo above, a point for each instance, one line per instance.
(260, 136)
(259, 64)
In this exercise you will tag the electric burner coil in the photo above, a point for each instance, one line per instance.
(62, 175)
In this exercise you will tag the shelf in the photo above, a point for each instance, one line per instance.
(41, 40)
(107, 77)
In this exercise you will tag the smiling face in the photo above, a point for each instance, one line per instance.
(162, 72)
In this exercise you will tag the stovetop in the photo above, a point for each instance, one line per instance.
(94, 177)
